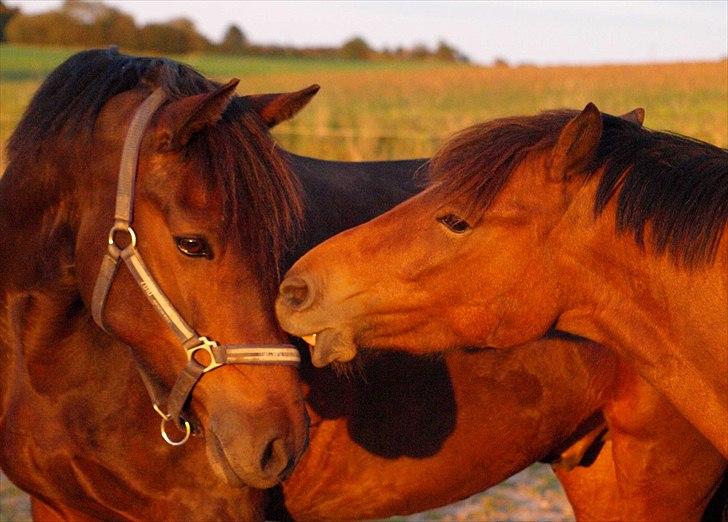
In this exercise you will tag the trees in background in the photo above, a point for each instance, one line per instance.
(178, 36)
(6, 13)
(356, 49)
(234, 41)
(88, 24)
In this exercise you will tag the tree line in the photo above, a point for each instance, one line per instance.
(88, 24)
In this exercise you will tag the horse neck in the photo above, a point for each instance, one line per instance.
(36, 221)
(614, 277)
(340, 195)
(50, 337)
(40, 305)
(666, 319)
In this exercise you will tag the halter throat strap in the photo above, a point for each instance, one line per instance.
(216, 355)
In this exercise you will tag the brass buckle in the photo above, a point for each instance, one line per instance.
(206, 345)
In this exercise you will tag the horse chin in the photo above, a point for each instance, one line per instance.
(332, 345)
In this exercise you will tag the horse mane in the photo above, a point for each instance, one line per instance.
(261, 196)
(676, 185)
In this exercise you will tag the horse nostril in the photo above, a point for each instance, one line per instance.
(275, 459)
(295, 293)
(267, 456)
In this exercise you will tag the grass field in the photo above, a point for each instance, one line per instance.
(385, 110)
(399, 110)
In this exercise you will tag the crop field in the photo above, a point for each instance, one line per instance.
(387, 110)
(391, 110)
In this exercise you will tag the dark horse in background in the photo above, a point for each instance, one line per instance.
(76, 423)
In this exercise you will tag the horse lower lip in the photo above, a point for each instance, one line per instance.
(310, 339)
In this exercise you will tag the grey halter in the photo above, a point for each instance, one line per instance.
(191, 341)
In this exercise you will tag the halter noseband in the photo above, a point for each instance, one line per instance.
(191, 341)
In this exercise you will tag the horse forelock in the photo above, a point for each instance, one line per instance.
(676, 185)
(476, 164)
(262, 200)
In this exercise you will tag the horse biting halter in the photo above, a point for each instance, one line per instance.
(219, 355)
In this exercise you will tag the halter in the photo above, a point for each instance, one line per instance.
(191, 341)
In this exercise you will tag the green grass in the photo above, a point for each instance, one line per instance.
(29, 63)
(34, 63)
(219, 65)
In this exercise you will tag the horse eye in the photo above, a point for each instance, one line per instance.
(454, 223)
(193, 246)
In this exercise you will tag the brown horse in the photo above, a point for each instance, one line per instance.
(388, 304)
(210, 214)
(382, 430)
(580, 221)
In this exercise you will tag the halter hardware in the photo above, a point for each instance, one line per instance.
(208, 346)
(163, 429)
(114, 249)
(192, 342)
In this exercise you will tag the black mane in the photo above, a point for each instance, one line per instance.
(676, 185)
(261, 196)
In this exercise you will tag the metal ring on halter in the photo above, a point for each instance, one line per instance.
(171, 442)
(121, 227)
(165, 420)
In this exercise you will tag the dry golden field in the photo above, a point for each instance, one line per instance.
(385, 110)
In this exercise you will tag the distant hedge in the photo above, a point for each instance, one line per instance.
(89, 24)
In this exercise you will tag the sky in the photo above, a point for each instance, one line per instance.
(536, 32)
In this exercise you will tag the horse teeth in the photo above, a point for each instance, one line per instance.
(310, 339)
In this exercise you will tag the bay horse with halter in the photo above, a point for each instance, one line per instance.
(141, 205)
(516, 236)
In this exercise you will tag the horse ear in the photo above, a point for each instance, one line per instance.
(275, 108)
(577, 143)
(636, 116)
(180, 119)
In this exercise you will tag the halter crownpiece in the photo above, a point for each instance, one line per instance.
(218, 355)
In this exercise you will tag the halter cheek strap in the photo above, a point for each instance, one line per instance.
(192, 342)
